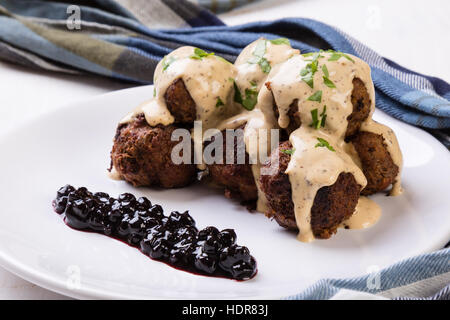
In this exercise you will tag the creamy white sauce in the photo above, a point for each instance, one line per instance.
(314, 167)
(311, 166)
(367, 213)
(248, 71)
(113, 174)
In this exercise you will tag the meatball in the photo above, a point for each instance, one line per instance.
(377, 163)
(237, 178)
(141, 154)
(180, 103)
(361, 107)
(332, 204)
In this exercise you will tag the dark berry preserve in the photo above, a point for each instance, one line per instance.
(173, 239)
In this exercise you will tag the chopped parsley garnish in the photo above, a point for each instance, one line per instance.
(307, 73)
(336, 55)
(154, 91)
(325, 71)
(265, 65)
(324, 143)
(237, 93)
(328, 82)
(219, 102)
(318, 121)
(281, 41)
(260, 49)
(200, 54)
(316, 96)
(288, 151)
(167, 61)
(250, 96)
(326, 77)
(258, 56)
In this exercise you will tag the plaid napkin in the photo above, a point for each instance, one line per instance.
(125, 39)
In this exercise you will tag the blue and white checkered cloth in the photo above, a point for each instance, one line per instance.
(125, 39)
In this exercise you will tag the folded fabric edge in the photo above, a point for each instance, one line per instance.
(400, 274)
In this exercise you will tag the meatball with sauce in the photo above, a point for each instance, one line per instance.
(237, 178)
(141, 155)
(361, 109)
(180, 103)
(377, 164)
(332, 205)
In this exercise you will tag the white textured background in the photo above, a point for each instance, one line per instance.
(413, 33)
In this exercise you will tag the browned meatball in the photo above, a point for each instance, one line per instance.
(236, 178)
(180, 103)
(376, 161)
(141, 154)
(332, 205)
(293, 114)
(361, 107)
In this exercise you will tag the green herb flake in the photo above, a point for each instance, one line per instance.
(237, 93)
(309, 80)
(288, 151)
(250, 96)
(307, 73)
(325, 71)
(316, 96)
(323, 116)
(265, 65)
(258, 56)
(315, 119)
(318, 121)
(281, 41)
(328, 82)
(200, 54)
(219, 102)
(167, 61)
(260, 49)
(336, 55)
(154, 91)
(324, 143)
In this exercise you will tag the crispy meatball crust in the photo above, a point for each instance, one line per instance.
(376, 161)
(141, 154)
(332, 204)
(361, 107)
(180, 103)
(237, 179)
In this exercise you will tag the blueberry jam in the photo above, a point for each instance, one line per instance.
(173, 239)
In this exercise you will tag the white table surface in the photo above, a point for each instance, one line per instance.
(413, 33)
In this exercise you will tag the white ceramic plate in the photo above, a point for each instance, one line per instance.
(72, 146)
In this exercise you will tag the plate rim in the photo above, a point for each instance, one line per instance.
(52, 283)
